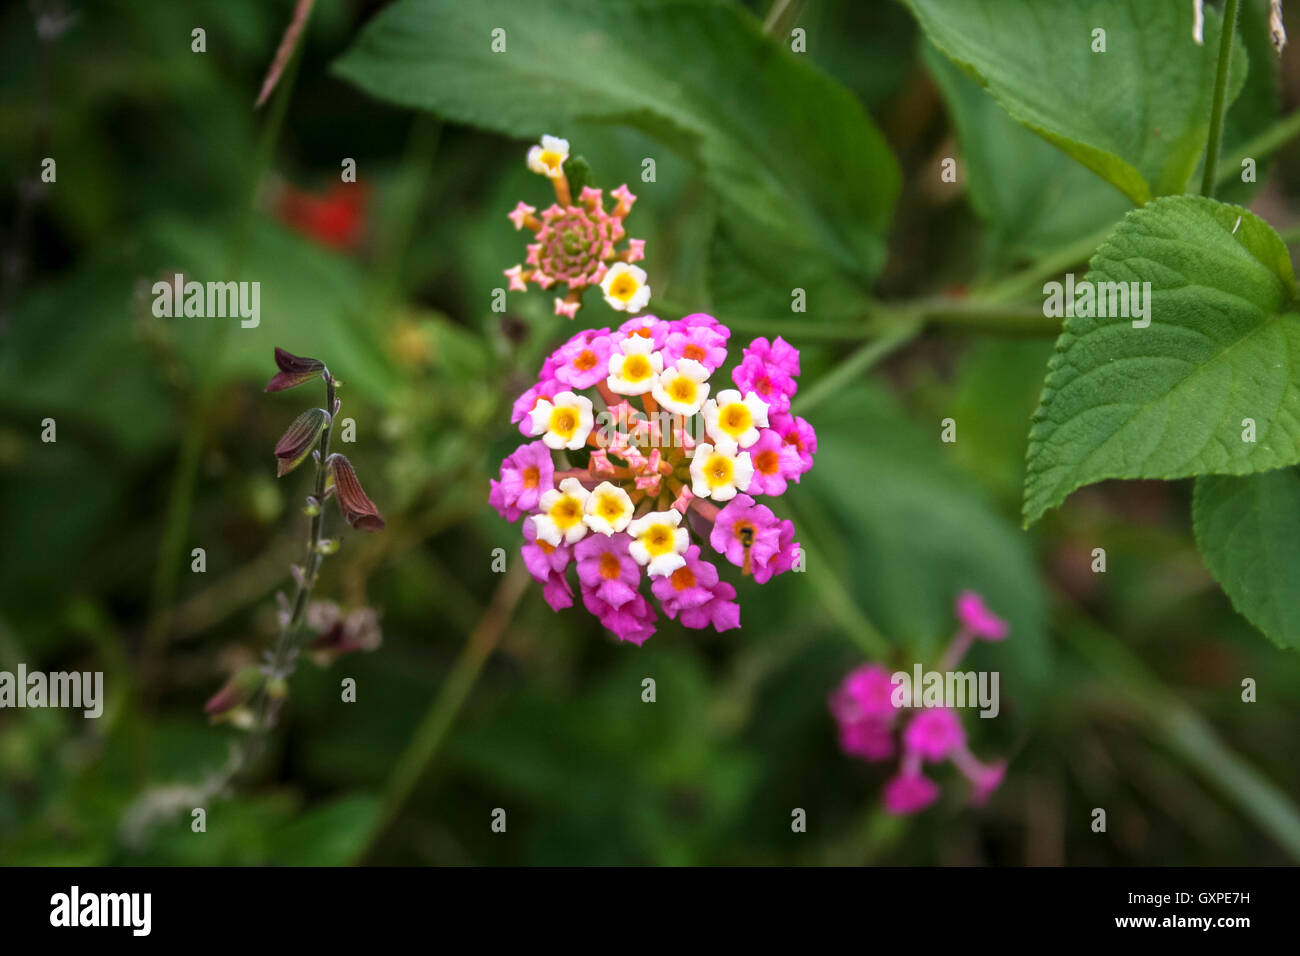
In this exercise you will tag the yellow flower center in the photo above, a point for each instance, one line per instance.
(735, 419)
(682, 389)
(564, 422)
(637, 368)
(623, 287)
(658, 539)
(566, 512)
(551, 159)
(718, 471)
(610, 507)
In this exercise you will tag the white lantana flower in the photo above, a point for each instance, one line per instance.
(562, 512)
(734, 422)
(625, 288)
(682, 388)
(563, 423)
(658, 542)
(608, 509)
(549, 158)
(718, 473)
(634, 368)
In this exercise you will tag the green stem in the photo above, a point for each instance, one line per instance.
(1215, 139)
(857, 363)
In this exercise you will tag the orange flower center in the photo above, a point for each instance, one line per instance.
(768, 462)
(683, 578)
(695, 352)
(609, 566)
(531, 476)
(585, 361)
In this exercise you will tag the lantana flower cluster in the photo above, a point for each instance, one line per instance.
(874, 728)
(638, 480)
(575, 242)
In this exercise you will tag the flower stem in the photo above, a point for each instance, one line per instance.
(283, 652)
(1214, 141)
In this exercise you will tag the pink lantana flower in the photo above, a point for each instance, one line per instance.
(606, 569)
(526, 474)
(662, 464)
(770, 370)
(934, 734)
(799, 435)
(978, 619)
(776, 463)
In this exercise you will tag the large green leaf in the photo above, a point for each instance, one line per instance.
(1248, 529)
(1033, 198)
(1137, 114)
(1170, 400)
(790, 152)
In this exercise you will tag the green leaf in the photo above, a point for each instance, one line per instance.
(1034, 198)
(1137, 114)
(791, 153)
(1170, 400)
(1248, 530)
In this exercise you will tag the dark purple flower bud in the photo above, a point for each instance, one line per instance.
(356, 507)
(294, 370)
(338, 634)
(296, 443)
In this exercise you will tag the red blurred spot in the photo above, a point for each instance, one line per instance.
(336, 219)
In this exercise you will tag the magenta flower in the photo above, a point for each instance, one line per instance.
(769, 370)
(869, 739)
(583, 363)
(934, 734)
(721, 610)
(798, 434)
(689, 586)
(700, 343)
(910, 793)
(649, 490)
(866, 717)
(526, 474)
(775, 464)
(606, 569)
(746, 534)
(865, 694)
(978, 619)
